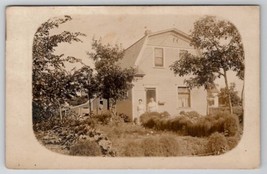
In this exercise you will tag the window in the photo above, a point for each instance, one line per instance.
(182, 52)
(158, 54)
(184, 97)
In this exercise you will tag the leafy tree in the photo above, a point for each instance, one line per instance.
(51, 84)
(223, 96)
(113, 81)
(86, 82)
(220, 50)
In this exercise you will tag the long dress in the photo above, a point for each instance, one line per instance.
(140, 111)
(152, 107)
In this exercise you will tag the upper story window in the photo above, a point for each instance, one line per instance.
(182, 53)
(158, 57)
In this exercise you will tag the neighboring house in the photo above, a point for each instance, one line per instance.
(151, 56)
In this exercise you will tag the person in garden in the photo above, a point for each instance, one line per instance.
(152, 106)
(140, 110)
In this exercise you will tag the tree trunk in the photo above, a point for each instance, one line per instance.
(227, 88)
(108, 103)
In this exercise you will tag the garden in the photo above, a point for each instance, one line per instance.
(158, 134)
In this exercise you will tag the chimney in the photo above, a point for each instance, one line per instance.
(148, 32)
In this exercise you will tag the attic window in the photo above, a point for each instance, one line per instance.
(158, 57)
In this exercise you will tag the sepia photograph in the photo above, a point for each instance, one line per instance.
(116, 83)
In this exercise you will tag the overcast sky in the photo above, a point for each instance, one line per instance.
(124, 30)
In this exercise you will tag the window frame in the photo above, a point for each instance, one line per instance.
(189, 96)
(154, 58)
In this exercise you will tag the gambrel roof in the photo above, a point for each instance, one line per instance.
(133, 52)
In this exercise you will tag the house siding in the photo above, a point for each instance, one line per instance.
(163, 79)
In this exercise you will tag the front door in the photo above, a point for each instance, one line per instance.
(150, 93)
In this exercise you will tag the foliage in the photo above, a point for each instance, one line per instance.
(86, 148)
(133, 149)
(75, 101)
(52, 85)
(217, 144)
(193, 125)
(113, 81)
(103, 118)
(233, 141)
(153, 146)
(85, 80)
(220, 50)
(235, 99)
(125, 117)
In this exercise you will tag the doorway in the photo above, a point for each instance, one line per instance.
(150, 93)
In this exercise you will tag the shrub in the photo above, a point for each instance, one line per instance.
(217, 144)
(86, 148)
(190, 114)
(238, 110)
(103, 118)
(125, 117)
(169, 146)
(193, 125)
(151, 147)
(160, 146)
(233, 141)
(133, 149)
(231, 125)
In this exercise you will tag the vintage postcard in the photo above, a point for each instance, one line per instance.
(132, 87)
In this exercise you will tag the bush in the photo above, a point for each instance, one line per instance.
(160, 146)
(238, 110)
(103, 118)
(151, 147)
(217, 144)
(169, 146)
(86, 148)
(125, 117)
(133, 149)
(231, 125)
(193, 124)
(233, 141)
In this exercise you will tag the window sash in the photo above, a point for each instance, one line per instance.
(184, 97)
(158, 57)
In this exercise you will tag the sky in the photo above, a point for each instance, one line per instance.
(123, 30)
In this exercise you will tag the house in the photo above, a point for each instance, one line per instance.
(151, 56)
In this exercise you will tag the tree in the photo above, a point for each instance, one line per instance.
(235, 99)
(86, 81)
(220, 50)
(113, 81)
(51, 83)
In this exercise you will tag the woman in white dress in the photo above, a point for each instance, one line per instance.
(152, 106)
(140, 110)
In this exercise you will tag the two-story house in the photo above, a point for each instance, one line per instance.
(151, 56)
